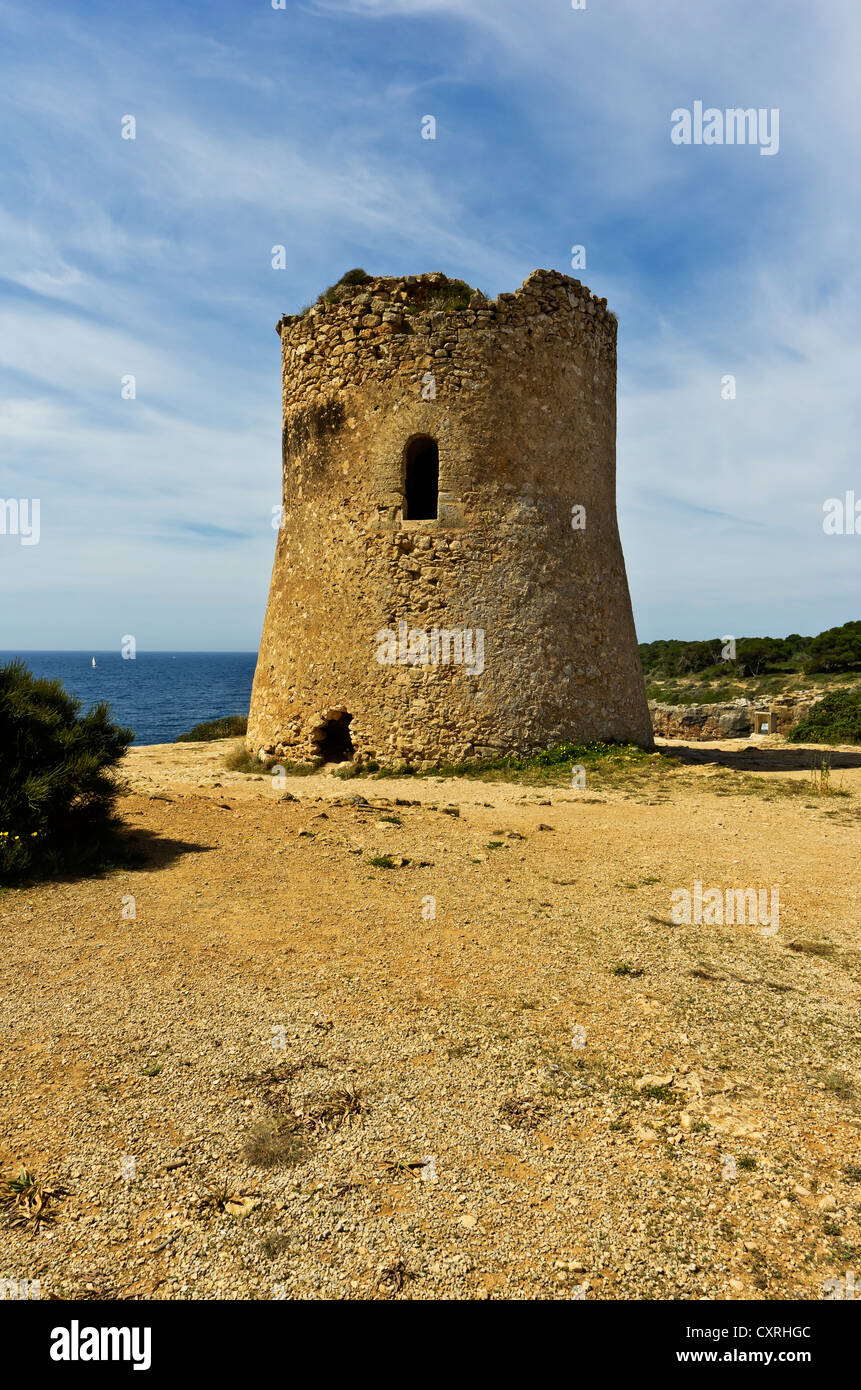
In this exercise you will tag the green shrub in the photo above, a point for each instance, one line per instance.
(357, 276)
(836, 649)
(454, 295)
(240, 760)
(450, 296)
(231, 726)
(352, 279)
(447, 295)
(57, 792)
(834, 719)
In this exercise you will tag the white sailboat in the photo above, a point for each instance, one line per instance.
(94, 661)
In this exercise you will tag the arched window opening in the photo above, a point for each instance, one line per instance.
(421, 488)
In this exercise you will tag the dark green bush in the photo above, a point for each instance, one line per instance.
(836, 649)
(346, 282)
(57, 791)
(231, 726)
(834, 719)
(355, 277)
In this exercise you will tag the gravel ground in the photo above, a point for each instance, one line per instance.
(493, 1070)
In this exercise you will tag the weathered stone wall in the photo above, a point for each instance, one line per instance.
(734, 719)
(524, 417)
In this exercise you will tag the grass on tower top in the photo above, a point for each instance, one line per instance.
(424, 296)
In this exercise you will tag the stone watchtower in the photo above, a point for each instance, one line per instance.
(448, 582)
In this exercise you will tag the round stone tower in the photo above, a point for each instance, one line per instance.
(448, 581)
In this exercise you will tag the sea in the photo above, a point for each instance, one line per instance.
(158, 694)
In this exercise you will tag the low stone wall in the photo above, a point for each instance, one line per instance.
(736, 719)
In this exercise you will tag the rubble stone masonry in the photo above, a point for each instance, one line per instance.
(732, 719)
(519, 395)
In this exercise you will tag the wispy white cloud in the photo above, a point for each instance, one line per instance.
(152, 257)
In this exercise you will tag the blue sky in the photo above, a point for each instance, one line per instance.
(257, 127)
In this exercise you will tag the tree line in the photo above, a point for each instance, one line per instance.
(836, 649)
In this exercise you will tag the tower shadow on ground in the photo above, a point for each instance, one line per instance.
(751, 759)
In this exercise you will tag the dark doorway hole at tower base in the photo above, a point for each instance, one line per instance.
(421, 486)
(333, 741)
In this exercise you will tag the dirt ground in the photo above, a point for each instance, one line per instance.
(257, 1065)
